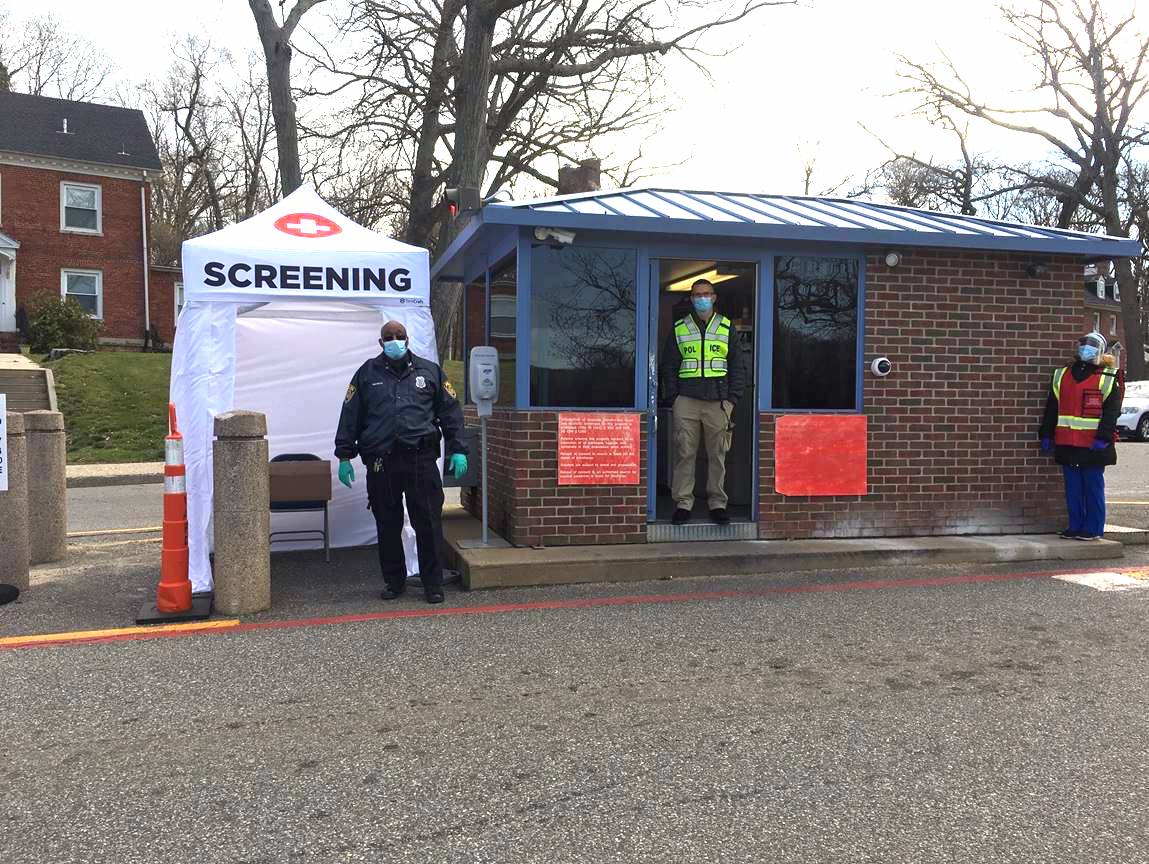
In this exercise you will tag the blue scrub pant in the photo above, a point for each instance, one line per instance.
(1085, 498)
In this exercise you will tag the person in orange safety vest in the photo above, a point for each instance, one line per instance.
(1079, 429)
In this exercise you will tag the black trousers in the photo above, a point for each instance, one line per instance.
(414, 477)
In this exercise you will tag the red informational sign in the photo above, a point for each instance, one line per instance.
(598, 449)
(820, 454)
(307, 225)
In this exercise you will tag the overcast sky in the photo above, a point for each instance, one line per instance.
(798, 81)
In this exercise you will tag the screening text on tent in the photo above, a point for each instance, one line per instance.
(287, 277)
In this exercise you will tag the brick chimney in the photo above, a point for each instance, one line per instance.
(584, 177)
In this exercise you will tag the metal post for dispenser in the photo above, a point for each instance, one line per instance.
(483, 445)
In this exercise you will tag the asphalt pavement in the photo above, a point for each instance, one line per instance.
(940, 713)
(832, 717)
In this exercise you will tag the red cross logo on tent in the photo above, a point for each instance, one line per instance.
(307, 225)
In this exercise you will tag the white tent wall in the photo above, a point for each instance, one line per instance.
(281, 310)
(293, 364)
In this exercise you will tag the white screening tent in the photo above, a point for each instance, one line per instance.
(280, 310)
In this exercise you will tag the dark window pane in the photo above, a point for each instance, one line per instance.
(582, 327)
(504, 296)
(88, 301)
(82, 283)
(476, 326)
(815, 333)
(77, 217)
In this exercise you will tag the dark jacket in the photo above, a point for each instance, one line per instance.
(1106, 428)
(729, 388)
(398, 407)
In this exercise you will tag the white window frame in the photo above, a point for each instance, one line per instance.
(65, 272)
(1112, 326)
(64, 227)
(177, 289)
(1097, 322)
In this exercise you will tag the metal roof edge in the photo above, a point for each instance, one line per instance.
(1133, 249)
(456, 246)
(1091, 245)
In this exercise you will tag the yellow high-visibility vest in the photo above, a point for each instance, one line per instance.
(703, 353)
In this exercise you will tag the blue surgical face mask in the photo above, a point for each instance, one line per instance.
(395, 348)
(1088, 353)
(702, 305)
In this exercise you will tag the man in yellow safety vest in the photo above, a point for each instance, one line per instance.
(703, 376)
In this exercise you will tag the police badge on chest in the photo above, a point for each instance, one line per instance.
(420, 382)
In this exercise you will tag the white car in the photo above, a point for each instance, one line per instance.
(1135, 411)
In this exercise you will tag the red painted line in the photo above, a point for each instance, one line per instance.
(580, 603)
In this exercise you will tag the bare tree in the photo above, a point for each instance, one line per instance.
(43, 59)
(483, 93)
(1093, 77)
(276, 40)
(215, 136)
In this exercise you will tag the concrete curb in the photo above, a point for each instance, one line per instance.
(505, 568)
(126, 474)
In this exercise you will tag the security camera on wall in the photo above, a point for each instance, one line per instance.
(882, 367)
(557, 236)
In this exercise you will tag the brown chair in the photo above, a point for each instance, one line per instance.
(299, 485)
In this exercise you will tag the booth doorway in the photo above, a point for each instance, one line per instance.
(736, 284)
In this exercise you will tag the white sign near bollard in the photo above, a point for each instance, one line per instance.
(3, 443)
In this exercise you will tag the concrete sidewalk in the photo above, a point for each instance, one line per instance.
(118, 474)
(511, 567)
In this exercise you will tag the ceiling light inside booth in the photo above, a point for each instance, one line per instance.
(712, 276)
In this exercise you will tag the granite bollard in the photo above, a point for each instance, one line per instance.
(14, 508)
(46, 446)
(241, 514)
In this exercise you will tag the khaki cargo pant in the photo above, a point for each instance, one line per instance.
(694, 420)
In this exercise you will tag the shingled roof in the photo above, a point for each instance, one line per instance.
(34, 125)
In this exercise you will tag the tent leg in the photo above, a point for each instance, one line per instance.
(326, 536)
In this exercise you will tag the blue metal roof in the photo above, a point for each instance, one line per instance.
(795, 217)
(782, 218)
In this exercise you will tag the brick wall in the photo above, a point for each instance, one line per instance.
(161, 299)
(528, 507)
(952, 431)
(30, 213)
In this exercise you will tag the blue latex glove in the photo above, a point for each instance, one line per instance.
(458, 464)
(346, 473)
(1098, 444)
(1047, 445)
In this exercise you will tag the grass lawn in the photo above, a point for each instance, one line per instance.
(115, 405)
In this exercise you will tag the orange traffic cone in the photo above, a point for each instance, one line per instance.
(174, 593)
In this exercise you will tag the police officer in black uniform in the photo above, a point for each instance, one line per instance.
(397, 409)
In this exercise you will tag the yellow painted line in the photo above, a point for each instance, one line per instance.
(115, 531)
(87, 635)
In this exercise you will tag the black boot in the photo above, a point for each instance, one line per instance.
(392, 592)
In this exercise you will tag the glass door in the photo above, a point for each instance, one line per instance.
(736, 285)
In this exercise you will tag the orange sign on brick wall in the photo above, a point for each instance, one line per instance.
(598, 449)
(820, 454)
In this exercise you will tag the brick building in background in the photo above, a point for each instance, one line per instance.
(1103, 309)
(972, 314)
(74, 203)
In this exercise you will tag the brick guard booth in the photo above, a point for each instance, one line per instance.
(579, 292)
